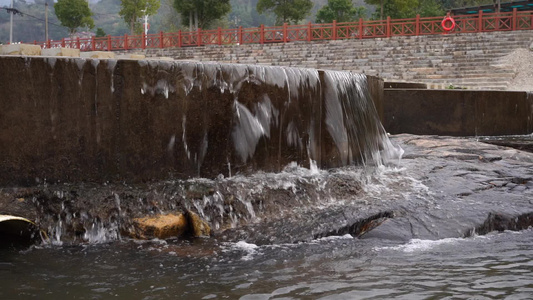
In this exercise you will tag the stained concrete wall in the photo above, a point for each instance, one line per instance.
(75, 119)
(458, 112)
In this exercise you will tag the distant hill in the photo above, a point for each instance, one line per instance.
(30, 27)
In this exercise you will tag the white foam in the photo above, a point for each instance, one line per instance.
(250, 249)
(418, 245)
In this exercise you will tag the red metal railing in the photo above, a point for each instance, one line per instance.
(481, 22)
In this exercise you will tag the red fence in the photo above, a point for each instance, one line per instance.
(480, 22)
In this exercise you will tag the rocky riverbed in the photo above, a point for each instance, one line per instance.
(443, 187)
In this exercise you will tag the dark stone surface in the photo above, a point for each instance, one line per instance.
(458, 112)
(75, 120)
(404, 85)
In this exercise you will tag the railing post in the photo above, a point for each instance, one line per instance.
(143, 40)
(417, 25)
(179, 39)
(199, 38)
(334, 33)
(262, 34)
(126, 46)
(93, 46)
(108, 43)
(284, 32)
(388, 27)
(78, 42)
(360, 28)
(49, 43)
(309, 32)
(219, 36)
(480, 22)
(161, 41)
(240, 35)
(515, 16)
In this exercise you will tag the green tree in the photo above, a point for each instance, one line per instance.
(286, 11)
(133, 10)
(100, 32)
(339, 10)
(202, 12)
(244, 13)
(74, 14)
(399, 9)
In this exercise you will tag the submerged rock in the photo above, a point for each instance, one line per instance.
(164, 226)
(160, 226)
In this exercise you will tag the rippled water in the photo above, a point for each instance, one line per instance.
(482, 267)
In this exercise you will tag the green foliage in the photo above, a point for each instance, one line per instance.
(401, 9)
(339, 10)
(244, 13)
(465, 3)
(132, 12)
(207, 11)
(74, 14)
(100, 32)
(286, 11)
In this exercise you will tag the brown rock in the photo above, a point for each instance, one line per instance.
(198, 226)
(161, 226)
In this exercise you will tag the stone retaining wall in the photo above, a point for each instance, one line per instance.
(465, 60)
(458, 112)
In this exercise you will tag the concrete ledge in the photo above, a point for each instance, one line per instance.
(21, 49)
(97, 54)
(69, 52)
(131, 56)
(405, 85)
(458, 112)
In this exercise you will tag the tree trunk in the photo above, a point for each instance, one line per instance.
(132, 25)
(381, 9)
(196, 18)
(190, 20)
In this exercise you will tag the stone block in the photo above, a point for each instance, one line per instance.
(68, 52)
(162, 58)
(21, 49)
(131, 56)
(97, 54)
(531, 46)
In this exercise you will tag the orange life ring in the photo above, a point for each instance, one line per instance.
(448, 28)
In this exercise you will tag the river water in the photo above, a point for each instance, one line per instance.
(498, 265)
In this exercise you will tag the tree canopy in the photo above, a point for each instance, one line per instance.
(399, 9)
(74, 14)
(133, 10)
(286, 11)
(339, 10)
(202, 12)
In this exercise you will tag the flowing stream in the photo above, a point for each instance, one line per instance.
(482, 267)
(338, 266)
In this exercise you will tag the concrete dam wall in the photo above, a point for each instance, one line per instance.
(124, 120)
(458, 112)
